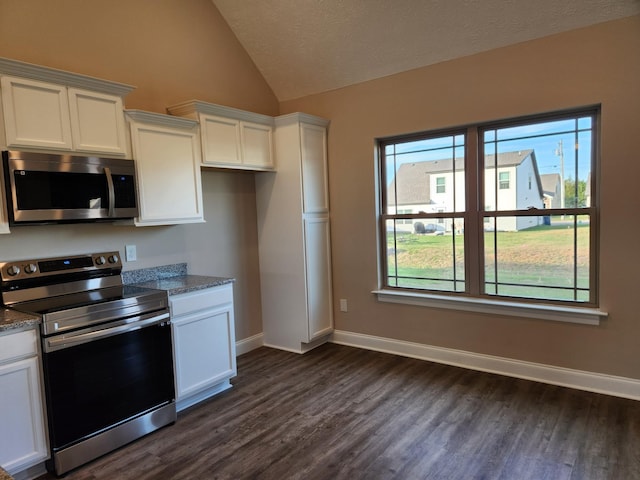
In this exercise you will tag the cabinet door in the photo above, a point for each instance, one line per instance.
(317, 244)
(168, 173)
(36, 114)
(204, 349)
(22, 436)
(314, 169)
(220, 140)
(257, 145)
(97, 122)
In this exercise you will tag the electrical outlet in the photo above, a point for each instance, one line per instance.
(343, 305)
(130, 253)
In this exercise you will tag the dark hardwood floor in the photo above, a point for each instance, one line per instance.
(345, 413)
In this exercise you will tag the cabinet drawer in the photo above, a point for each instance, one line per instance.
(18, 345)
(200, 299)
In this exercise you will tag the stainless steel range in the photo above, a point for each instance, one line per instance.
(106, 351)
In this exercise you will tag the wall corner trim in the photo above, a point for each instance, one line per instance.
(565, 377)
(250, 343)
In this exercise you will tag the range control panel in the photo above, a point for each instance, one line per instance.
(24, 269)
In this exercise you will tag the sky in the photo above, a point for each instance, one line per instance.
(545, 138)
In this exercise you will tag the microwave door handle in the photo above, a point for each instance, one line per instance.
(112, 192)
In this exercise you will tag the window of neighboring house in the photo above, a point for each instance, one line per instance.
(502, 245)
(504, 180)
(440, 183)
(403, 211)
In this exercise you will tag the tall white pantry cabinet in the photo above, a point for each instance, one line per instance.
(294, 237)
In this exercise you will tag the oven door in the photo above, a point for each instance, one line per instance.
(98, 379)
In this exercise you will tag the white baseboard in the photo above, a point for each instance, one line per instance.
(250, 343)
(581, 380)
(199, 397)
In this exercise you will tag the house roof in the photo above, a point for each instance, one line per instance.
(412, 179)
(549, 183)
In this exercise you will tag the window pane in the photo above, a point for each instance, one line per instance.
(425, 175)
(550, 261)
(532, 130)
(431, 259)
(549, 164)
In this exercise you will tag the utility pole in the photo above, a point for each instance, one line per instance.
(560, 153)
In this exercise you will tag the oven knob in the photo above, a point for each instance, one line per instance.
(13, 270)
(100, 260)
(113, 259)
(30, 268)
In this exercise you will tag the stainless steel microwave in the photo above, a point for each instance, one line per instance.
(49, 188)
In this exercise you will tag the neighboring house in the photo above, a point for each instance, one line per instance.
(551, 186)
(431, 186)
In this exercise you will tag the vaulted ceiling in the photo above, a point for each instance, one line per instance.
(303, 47)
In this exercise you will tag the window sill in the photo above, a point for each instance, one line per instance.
(588, 316)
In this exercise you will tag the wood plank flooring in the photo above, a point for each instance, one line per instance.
(345, 413)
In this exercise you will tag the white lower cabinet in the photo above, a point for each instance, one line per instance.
(23, 441)
(204, 345)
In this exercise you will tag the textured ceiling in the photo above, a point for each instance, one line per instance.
(311, 46)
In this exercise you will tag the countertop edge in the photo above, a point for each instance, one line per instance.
(12, 321)
(185, 283)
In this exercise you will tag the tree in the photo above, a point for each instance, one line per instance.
(575, 195)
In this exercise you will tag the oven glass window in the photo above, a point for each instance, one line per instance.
(93, 386)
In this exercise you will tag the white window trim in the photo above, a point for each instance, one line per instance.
(587, 316)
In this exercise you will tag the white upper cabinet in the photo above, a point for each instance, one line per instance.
(97, 122)
(231, 138)
(53, 110)
(257, 145)
(220, 141)
(36, 114)
(167, 157)
(315, 178)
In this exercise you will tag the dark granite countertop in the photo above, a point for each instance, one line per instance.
(185, 283)
(13, 320)
(4, 475)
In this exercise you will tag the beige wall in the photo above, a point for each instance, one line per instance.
(594, 65)
(172, 51)
(175, 50)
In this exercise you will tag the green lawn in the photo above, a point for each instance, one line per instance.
(540, 261)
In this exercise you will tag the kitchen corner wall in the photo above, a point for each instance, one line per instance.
(172, 51)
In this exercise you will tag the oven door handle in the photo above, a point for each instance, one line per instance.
(72, 339)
